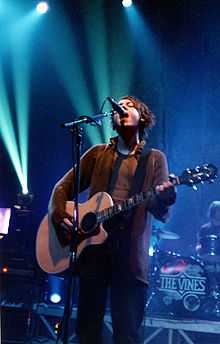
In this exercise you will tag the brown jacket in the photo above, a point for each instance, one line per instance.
(95, 172)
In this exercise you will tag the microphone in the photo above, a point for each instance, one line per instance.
(116, 107)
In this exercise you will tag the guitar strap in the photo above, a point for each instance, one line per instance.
(138, 179)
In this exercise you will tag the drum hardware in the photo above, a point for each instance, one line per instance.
(208, 251)
(216, 310)
(211, 307)
(209, 248)
(212, 303)
(160, 233)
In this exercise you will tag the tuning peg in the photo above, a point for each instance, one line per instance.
(191, 182)
(188, 170)
(211, 181)
(198, 169)
(195, 187)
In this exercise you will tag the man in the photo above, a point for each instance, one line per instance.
(122, 168)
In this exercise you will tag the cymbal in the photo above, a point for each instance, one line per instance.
(164, 234)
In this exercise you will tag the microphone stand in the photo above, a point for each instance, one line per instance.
(77, 135)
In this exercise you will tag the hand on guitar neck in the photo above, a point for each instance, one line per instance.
(166, 193)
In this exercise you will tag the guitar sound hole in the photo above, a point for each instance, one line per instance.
(89, 223)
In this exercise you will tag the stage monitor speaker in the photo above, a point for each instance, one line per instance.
(14, 325)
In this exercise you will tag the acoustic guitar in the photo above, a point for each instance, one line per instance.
(53, 257)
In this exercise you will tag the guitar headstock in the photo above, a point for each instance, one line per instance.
(197, 175)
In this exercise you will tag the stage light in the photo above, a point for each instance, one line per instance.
(127, 3)
(15, 135)
(42, 7)
(5, 269)
(151, 251)
(57, 327)
(68, 62)
(5, 214)
(55, 289)
(24, 201)
(7, 132)
(55, 298)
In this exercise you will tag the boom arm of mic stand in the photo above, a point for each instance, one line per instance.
(93, 120)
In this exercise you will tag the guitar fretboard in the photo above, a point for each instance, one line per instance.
(190, 177)
(125, 205)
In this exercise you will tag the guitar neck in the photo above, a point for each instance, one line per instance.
(108, 213)
(190, 177)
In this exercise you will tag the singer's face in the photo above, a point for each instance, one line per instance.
(130, 118)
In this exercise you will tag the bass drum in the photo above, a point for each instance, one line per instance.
(181, 285)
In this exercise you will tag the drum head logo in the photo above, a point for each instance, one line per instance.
(182, 280)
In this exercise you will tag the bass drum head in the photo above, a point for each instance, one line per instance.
(181, 285)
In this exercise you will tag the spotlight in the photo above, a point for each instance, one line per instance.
(127, 3)
(24, 201)
(55, 298)
(151, 251)
(5, 214)
(55, 289)
(42, 7)
(5, 269)
(57, 327)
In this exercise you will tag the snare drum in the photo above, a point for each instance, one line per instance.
(182, 285)
(210, 248)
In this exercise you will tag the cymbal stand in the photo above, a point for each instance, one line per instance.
(216, 296)
(155, 265)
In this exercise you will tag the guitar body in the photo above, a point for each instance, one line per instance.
(52, 257)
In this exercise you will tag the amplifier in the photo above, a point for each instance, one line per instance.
(15, 324)
(19, 286)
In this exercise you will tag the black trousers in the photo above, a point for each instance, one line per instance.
(127, 300)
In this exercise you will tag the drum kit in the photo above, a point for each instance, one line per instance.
(184, 286)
